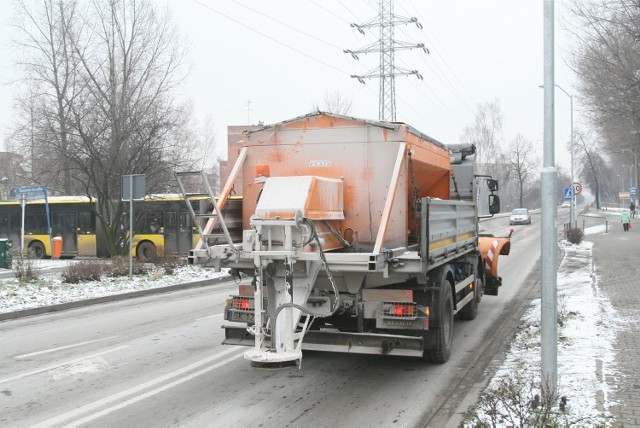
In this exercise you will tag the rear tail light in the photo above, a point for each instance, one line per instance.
(407, 310)
(242, 303)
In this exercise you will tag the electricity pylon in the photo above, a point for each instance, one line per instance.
(387, 46)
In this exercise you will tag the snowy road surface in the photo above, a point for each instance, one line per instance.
(157, 360)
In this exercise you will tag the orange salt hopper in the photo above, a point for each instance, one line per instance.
(358, 236)
(379, 164)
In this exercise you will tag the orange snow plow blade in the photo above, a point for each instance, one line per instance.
(490, 248)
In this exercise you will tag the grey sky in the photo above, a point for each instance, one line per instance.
(480, 51)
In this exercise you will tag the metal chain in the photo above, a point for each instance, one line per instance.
(414, 196)
(455, 185)
(414, 188)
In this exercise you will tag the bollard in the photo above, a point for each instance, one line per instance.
(57, 247)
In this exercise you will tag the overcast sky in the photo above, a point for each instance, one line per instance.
(281, 57)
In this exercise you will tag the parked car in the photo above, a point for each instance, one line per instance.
(565, 204)
(520, 216)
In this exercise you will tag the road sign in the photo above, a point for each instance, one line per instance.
(567, 194)
(133, 184)
(29, 193)
(577, 188)
(633, 191)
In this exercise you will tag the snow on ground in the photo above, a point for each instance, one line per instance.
(50, 290)
(585, 343)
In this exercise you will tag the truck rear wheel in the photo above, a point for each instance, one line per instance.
(470, 311)
(437, 341)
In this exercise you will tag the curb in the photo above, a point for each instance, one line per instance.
(111, 298)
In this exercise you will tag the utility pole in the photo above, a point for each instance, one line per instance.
(248, 106)
(386, 47)
(549, 294)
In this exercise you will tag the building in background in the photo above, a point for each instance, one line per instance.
(235, 135)
(11, 173)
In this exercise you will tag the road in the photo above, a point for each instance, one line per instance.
(157, 361)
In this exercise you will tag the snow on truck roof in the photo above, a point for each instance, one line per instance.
(381, 124)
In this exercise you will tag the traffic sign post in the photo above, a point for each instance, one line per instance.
(570, 194)
(133, 189)
(577, 187)
(31, 193)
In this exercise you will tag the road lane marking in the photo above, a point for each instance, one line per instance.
(208, 316)
(92, 365)
(151, 393)
(55, 366)
(63, 347)
(91, 407)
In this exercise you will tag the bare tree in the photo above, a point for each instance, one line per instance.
(593, 165)
(207, 144)
(521, 163)
(111, 106)
(50, 86)
(486, 135)
(335, 102)
(208, 152)
(607, 60)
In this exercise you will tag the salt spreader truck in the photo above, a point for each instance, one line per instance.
(358, 236)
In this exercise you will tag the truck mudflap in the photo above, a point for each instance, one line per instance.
(335, 341)
(491, 247)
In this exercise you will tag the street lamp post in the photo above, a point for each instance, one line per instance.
(635, 164)
(621, 182)
(572, 205)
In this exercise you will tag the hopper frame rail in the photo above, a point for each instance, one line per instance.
(216, 214)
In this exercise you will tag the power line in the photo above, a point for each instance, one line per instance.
(443, 76)
(286, 25)
(386, 47)
(206, 6)
(441, 53)
(315, 38)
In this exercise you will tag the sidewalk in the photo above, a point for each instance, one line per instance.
(617, 260)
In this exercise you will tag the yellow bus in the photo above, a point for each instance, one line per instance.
(162, 225)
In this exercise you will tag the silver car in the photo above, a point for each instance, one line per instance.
(520, 216)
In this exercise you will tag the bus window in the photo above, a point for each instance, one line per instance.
(57, 224)
(170, 220)
(84, 222)
(14, 222)
(185, 222)
(35, 224)
(148, 221)
(72, 222)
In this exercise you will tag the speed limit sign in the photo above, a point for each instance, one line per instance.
(577, 188)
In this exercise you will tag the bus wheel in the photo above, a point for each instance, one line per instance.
(146, 252)
(36, 250)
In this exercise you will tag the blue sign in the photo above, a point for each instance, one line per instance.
(633, 191)
(567, 193)
(29, 193)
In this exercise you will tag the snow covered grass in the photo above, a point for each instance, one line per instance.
(586, 332)
(49, 289)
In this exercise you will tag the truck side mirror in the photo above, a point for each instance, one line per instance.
(494, 204)
(492, 184)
